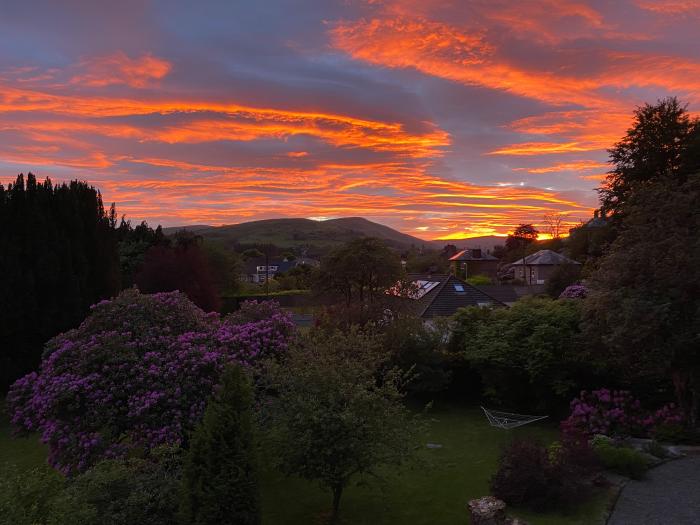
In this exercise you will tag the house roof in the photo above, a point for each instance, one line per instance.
(504, 293)
(251, 265)
(543, 258)
(448, 295)
(471, 255)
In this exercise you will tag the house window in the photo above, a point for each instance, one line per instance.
(262, 268)
(459, 288)
(273, 268)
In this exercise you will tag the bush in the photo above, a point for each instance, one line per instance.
(123, 492)
(113, 492)
(219, 485)
(531, 476)
(622, 460)
(528, 355)
(135, 375)
(26, 497)
(616, 413)
(479, 280)
(421, 349)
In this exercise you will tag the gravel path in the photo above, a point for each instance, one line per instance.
(669, 495)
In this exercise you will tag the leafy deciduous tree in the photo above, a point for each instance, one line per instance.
(337, 415)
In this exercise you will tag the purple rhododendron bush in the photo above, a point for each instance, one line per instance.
(616, 413)
(137, 374)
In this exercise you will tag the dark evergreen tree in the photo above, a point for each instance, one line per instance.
(219, 485)
(664, 141)
(58, 255)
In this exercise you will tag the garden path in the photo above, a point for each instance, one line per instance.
(668, 495)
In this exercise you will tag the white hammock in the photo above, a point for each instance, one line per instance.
(507, 420)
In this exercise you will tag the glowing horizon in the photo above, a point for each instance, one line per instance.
(441, 119)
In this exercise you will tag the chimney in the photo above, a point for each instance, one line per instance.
(476, 253)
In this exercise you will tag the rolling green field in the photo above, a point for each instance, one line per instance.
(434, 490)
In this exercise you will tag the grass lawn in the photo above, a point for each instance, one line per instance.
(433, 491)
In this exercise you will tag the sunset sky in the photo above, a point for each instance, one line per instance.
(443, 119)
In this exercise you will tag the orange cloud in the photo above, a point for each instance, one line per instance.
(670, 7)
(118, 68)
(579, 165)
(542, 148)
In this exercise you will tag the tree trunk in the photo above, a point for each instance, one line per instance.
(337, 493)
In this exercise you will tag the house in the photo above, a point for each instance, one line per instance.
(473, 261)
(259, 269)
(442, 295)
(538, 267)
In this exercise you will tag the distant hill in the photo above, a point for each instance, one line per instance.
(487, 242)
(320, 236)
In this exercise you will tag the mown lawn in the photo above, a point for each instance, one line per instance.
(435, 490)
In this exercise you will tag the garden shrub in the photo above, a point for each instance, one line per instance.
(135, 375)
(529, 355)
(219, 485)
(123, 492)
(622, 460)
(26, 497)
(532, 476)
(617, 413)
(414, 346)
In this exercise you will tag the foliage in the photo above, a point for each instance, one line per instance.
(664, 142)
(58, 255)
(299, 277)
(522, 236)
(134, 242)
(360, 272)
(123, 492)
(563, 276)
(136, 374)
(219, 476)
(622, 460)
(338, 414)
(641, 315)
(530, 476)
(574, 291)
(26, 497)
(226, 267)
(527, 355)
(617, 413)
(421, 349)
(113, 492)
(479, 280)
(184, 267)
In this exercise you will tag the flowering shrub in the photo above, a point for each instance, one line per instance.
(616, 413)
(135, 375)
(574, 291)
(529, 475)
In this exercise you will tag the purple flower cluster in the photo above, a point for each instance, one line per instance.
(616, 413)
(136, 374)
(574, 291)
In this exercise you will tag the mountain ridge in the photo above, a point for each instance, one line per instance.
(301, 232)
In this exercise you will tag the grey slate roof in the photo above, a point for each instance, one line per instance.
(544, 257)
(468, 255)
(504, 293)
(444, 300)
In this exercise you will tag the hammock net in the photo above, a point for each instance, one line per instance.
(508, 420)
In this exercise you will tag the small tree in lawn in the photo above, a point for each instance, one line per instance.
(219, 484)
(337, 415)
